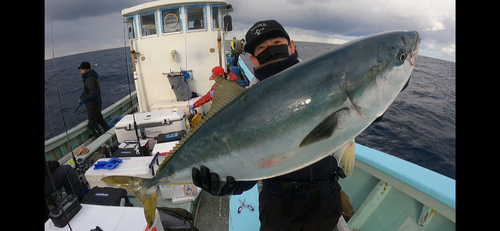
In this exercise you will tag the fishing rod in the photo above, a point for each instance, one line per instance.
(77, 166)
(79, 105)
(59, 100)
(139, 149)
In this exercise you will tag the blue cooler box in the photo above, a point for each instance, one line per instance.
(235, 70)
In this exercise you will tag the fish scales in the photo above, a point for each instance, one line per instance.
(292, 119)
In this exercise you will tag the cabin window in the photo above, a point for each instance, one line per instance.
(148, 24)
(215, 10)
(130, 27)
(171, 20)
(196, 17)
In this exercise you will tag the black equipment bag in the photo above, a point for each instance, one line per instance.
(169, 137)
(106, 196)
(130, 150)
(64, 212)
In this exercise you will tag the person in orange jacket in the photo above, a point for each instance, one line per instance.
(218, 71)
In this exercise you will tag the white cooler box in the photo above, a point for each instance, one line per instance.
(153, 123)
(178, 193)
(164, 149)
(169, 104)
(130, 166)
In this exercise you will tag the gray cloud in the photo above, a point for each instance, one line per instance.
(77, 23)
(77, 9)
(351, 18)
(435, 21)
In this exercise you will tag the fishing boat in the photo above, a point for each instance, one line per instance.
(174, 44)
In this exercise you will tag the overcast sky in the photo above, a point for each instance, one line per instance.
(88, 25)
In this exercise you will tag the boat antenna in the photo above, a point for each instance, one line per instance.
(129, 89)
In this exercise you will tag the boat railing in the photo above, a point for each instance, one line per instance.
(244, 70)
(58, 146)
(428, 187)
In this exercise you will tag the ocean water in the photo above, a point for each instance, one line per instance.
(418, 127)
(111, 68)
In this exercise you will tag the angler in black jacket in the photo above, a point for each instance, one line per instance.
(91, 96)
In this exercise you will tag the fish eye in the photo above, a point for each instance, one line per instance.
(401, 57)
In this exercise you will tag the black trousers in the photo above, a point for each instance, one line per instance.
(271, 214)
(64, 176)
(235, 59)
(95, 120)
(95, 117)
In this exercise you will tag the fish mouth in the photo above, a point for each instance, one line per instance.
(412, 59)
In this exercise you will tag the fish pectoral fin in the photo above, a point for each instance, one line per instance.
(345, 156)
(142, 189)
(323, 130)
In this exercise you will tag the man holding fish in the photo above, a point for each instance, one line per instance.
(306, 199)
(283, 130)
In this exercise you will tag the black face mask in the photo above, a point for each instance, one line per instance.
(272, 53)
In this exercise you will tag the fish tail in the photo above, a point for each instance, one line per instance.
(142, 188)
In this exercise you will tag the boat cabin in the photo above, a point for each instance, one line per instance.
(170, 39)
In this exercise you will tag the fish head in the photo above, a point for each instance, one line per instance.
(383, 66)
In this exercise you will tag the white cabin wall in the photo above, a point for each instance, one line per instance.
(201, 61)
(151, 63)
(193, 54)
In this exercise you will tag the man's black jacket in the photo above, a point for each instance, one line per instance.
(91, 91)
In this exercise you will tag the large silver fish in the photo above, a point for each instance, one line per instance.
(292, 119)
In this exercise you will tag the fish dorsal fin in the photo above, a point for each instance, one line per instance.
(224, 92)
